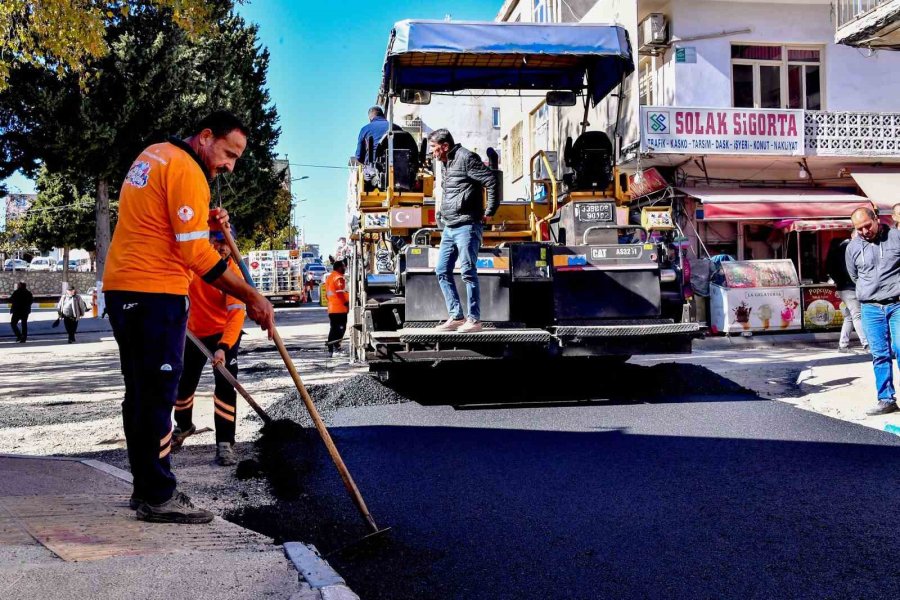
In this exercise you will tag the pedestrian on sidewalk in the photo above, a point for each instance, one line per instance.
(836, 265)
(462, 214)
(873, 263)
(162, 236)
(216, 319)
(338, 306)
(895, 215)
(71, 308)
(20, 308)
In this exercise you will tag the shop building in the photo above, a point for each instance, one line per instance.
(760, 131)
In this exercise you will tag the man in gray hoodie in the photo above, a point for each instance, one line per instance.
(873, 263)
(462, 213)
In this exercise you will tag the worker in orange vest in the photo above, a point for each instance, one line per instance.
(215, 318)
(338, 306)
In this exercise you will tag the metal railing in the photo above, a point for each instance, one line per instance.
(848, 133)
(847, 11)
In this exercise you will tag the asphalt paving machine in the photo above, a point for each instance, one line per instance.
(569, 272)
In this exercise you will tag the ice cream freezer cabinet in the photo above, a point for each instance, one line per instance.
(755, 296)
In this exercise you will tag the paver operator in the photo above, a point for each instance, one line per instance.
(160, 239)
(873, 263)
(215, 318)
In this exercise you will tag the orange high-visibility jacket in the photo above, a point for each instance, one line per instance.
(213, 311)
(162, 234)
(337, 294)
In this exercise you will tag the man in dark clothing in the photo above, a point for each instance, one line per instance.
(873, 262)
(462, 212)
(20, 307)
(836, 265)
(375, 129)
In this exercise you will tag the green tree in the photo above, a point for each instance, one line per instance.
(154, 81)
(62, 216)
(66, 36)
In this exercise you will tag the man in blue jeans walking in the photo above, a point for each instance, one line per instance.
(873, 262)
(462, 213)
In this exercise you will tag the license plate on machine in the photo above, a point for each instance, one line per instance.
(276, 298)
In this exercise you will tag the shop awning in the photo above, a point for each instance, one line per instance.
(817, 225)
(748, 204)
(881, 185)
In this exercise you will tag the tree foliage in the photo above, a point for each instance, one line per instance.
(62, 215)
(67, 36)
(154, 81)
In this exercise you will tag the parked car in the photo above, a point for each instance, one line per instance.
(42, 263)
(317, 270)
(15, 264)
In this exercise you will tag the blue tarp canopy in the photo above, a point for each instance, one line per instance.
(445, 56)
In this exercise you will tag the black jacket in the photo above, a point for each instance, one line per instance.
(20, 302)
(463, 177)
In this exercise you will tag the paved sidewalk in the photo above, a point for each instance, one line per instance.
(66, 532)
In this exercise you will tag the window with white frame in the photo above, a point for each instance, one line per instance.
(495, 117)
(540, 128)
(646, 82)
(540, 11)
(768, 76)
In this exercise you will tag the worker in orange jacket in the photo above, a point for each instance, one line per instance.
(162, 237)
(215, 318)
(338, 306)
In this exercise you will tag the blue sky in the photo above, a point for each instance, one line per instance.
(323, 75)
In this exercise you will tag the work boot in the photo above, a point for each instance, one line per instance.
(177, 509)
(178, 436)
(451, 325)
(471, 326)
(883, 408)
(135, 501)
(225, 454)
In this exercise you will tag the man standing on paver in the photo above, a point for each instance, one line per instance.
(161, 237)
(873, 262)
(462, 213)
(20, 308)
(215, 319)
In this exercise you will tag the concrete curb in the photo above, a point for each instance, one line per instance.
(769, 339)
(316, 571)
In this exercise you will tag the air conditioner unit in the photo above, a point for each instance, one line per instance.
(652, 33)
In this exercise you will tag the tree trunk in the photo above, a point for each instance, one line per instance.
(103, 237)
(65, 266)
(102, 232)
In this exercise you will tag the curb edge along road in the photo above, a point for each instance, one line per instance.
(310, 566)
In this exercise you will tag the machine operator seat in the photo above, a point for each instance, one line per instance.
(591, 160)
(406, 161)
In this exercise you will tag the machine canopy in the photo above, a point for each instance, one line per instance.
(446, 56)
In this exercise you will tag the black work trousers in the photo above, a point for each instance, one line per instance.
(14, 321)
(71, 327)
(150, 331)
(338, 323)
(224, 397)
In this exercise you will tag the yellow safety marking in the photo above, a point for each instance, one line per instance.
(561, 261)
(224, 415)
(223, 405)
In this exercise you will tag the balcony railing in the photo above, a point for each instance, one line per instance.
(850, 10)
(852, 134)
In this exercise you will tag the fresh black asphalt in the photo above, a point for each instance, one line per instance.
(712, 496)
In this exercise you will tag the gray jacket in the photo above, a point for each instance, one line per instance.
(463, 177)
(875, 266)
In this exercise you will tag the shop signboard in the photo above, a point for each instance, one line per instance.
(821, 307)
(676, 130)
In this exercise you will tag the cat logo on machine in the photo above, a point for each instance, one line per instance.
(598, 253)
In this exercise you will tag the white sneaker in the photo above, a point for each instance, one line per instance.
(471, 326)
(451, 325)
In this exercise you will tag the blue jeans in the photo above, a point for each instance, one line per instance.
(881, 323)
(463, 242)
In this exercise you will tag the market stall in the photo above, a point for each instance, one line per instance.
(820, 302)
(755, 296)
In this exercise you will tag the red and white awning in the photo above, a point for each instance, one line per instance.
(763, 204)
(817, 225)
